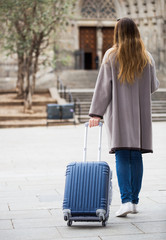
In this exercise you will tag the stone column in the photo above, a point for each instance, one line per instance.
(161, 44)
(99, 43)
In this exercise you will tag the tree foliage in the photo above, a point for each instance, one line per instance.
(27, 26)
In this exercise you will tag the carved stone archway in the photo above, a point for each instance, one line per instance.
(99, 17)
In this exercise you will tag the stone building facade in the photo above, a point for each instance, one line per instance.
(90, 32)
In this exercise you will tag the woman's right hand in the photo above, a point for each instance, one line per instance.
(94, 121)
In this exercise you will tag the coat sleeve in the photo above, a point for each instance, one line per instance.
(103, 90)
(154, 81)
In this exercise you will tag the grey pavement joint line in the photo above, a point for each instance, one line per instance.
(12, 223)
(8, 207)
(152, 200)
(100, 238)
(49, 210)
(57, 192)
(59, 232)
(138, 228)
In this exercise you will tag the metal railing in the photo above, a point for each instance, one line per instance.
(77, 106)
(65, 93)
(61, 88)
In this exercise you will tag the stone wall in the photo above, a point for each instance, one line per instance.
(150, 16)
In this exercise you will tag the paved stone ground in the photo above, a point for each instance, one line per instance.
(32, 175)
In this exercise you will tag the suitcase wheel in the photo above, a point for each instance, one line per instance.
(69, 223)
(100, 218)
(65, 218)
(103, 223)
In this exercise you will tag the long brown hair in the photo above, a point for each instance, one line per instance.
(130, 50)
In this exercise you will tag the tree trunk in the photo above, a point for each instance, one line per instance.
(28, 96)
(35, 69)
(20, 77)
(28, 90)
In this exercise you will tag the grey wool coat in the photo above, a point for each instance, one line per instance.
(126, 108)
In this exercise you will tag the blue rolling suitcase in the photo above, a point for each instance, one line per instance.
(88, 188)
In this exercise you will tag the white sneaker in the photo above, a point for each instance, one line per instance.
(134, 206)
(124, 209)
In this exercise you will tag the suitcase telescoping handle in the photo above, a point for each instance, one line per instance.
(86, 138)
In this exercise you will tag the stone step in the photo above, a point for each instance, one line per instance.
(37, 91)
(158, 119)
(85, 98)
(34, 123)
(22, 117)
(158, 106)
(86, 95)
(84, 118)
(82, 95)
(154, 106)
(20, 123)
(81, 79)
(158, 101)
(84, 90)
(38, 99)
(158, 111)
(86, 105)
(18, 103)
(86, 111)
(155, 118)
(12, 110)
(160, 94)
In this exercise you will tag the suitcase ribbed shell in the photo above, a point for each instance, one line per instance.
(87, 188)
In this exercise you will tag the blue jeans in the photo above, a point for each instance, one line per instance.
(129, 169)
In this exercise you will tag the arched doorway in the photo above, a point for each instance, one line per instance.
(96, 35)
(90, 46)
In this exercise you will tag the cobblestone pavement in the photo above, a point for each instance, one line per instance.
(32, 175)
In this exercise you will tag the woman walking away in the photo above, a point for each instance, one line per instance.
(126, 79)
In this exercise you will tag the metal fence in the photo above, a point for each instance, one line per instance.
(65, 93)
